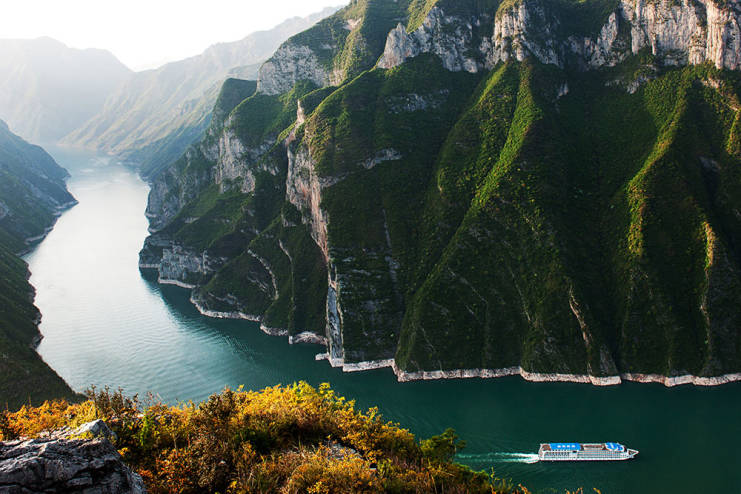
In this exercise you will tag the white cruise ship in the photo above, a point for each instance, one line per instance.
(584, 452)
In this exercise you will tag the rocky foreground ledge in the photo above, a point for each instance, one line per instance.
(82, 460)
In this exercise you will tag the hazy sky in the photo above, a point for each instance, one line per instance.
(147, 33)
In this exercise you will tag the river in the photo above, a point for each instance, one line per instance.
(106, 324)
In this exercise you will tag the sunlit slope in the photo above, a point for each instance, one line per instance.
(600, 239)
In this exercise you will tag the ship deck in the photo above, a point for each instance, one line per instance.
(581, 447)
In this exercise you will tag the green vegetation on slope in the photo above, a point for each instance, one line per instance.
(560, 220)
(32, 188)
(25, 377)
(31, 191)
(599, 242)
(351, 41)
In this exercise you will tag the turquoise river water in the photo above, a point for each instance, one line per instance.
(105, 323)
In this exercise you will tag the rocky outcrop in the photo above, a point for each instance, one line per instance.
(236, 162)
(198, 301)
(184, 267)
(57, 463)
(307, 337)
(676, 32)
(448, 37)
(291, 63)
(176, 264)
(606, 50)
(690, 31)
(304, 190)
(523, 30)
(172, 189)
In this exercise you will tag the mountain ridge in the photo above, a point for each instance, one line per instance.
(47, 89)
(152, 118)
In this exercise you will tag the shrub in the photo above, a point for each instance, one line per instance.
(286, 439)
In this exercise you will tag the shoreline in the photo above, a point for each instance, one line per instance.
(404, 376)
(215, 314)
(601, 381)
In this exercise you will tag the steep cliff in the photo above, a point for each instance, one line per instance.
(517, 187)
(32, 194)
(591, 34)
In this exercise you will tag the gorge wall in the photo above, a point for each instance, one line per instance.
(531, 187)
(32, 195)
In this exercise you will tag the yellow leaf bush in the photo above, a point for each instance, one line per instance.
(283, 439)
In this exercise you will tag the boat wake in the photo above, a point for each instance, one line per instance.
(499, 458)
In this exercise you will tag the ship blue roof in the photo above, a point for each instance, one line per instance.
(565, 446)
(615, 447)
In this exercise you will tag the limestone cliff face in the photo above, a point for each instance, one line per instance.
(177, 264)
(692, 32)
(228, 160)
(331, 210)
(222, 159)
(449, 37)
(514, 38)
(181, 265)
(678, 33)
(215, 157)
(236, 162)
(304, 190)
(290, 64)
(179, 184)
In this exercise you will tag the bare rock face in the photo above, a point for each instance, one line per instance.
(677, 32)
(236, 161)
(179, 184)
(90, 466)
(94, 430)
(514, 35)
(690, 31)
(291, 63)
(448, 37)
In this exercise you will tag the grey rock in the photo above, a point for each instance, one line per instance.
(677, 32)
(448, 37)
(95, 430)
(50, 464)
(290, 64)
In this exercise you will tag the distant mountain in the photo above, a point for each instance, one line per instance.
(32, 192)
(48, 89)
(154, 116)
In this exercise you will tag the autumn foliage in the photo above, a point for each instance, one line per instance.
(286, 439)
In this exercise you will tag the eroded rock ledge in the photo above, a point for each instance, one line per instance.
(668, 381)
